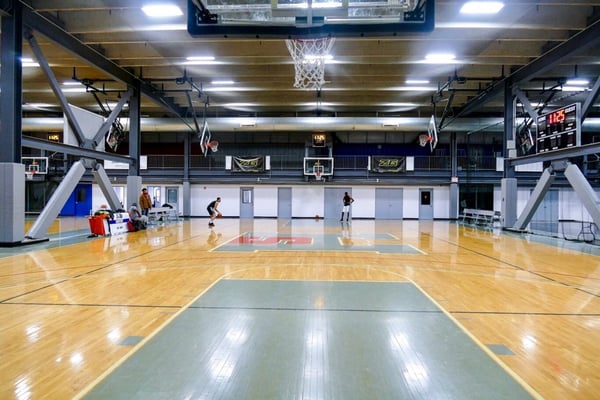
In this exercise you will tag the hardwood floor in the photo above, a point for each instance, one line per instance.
(65, 311)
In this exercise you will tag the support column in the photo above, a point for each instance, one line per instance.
(536, 198)
(187, 199)
(134, 188)
(508, 208)
(585, 191)
(12, 198)
(57, 201)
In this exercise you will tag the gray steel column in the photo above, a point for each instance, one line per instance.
(12, 172)
(536, 198)
(57, 201)
(107, 189)
(508, 207)
(187, 199)
(134, 188)
(135, 132)
(12, 198)
(584, 190)
(12, 86)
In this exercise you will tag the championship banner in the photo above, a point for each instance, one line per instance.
(248, 164)
(388, 164)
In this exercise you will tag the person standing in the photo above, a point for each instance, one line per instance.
(213, 210)
(145, 202)
(347, 200)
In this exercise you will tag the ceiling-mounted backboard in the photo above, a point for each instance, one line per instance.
(291, 19)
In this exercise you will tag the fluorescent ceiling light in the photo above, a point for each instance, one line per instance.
(28, 62)
(71, 83)
(162, 10)
(200, 60)
(577, 81)
(223, 82)
(439, 57)
(416, 81)
(573, 88)
(75, 90)
(482, 7)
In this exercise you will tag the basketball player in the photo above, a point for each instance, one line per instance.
(347, 200)
(213, 210)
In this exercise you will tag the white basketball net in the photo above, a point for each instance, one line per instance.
(309, 59)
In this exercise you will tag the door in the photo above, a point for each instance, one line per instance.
(172, 195)
(154, 192)
(426, 204)
(79, 203)
(284, 202)
(246, 202)
(388, 203)
(333, 202)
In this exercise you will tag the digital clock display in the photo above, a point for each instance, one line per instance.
(556, 117)
(559, 129)
(319, 139)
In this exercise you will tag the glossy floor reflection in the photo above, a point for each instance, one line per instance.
(72, 313)
(311, 340)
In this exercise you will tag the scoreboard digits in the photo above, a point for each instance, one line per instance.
(559, 129)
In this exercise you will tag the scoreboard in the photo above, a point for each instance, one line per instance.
(559, 129)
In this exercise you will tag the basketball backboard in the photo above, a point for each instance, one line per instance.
(37, 165)
(432, 130)
(318, 167)
(205, 138)
(291, 19)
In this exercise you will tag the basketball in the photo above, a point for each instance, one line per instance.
(219, 215)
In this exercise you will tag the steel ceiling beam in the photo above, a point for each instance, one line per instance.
(69, 42)
(577, 43)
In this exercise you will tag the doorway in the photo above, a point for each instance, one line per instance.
(246, 202)
(426, 204)
(79, 203)
(388, 203)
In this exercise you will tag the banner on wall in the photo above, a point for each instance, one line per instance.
(388, 164)
(248, 164)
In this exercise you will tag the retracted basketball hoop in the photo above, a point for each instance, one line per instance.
(309, 57)
(213, 145)
(424, 139)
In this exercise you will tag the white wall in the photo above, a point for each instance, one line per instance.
(308, 201)
(364, 202)
(265, 201)
(202, 195)
(411, 200)
(441, 202)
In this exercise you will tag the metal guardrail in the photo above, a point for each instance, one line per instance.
(349, 163)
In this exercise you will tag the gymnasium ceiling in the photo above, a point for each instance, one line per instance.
(366, 81)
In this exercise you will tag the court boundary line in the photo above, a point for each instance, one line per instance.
(528, 388)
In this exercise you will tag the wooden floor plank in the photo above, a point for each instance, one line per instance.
(65, 310)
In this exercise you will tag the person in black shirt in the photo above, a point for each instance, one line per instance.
(213, 210)
(347, 200)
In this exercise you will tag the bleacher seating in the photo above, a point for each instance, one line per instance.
(486, 218)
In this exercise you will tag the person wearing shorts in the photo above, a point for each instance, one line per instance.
(347, 200)
(213, 210)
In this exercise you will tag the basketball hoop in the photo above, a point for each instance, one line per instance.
(29, 175)
(213, 145)
(424, 139)
(318, 175)
(309, 60)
